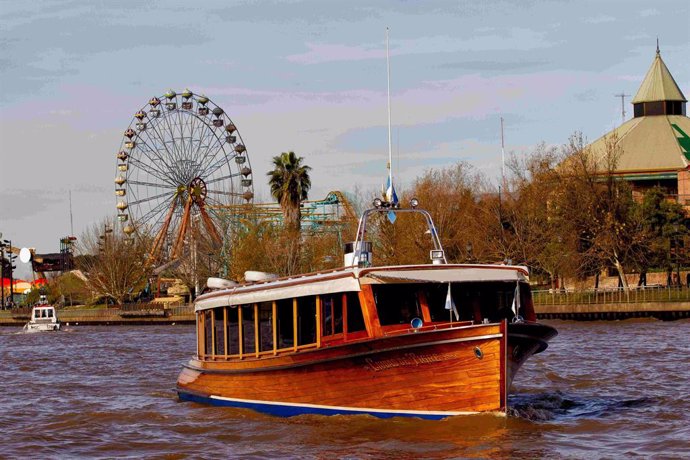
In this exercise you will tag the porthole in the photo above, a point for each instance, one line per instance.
(478, 353)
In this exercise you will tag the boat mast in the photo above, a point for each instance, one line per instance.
(390, 139)
(503, 158)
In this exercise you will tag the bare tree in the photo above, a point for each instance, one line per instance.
(114, 265)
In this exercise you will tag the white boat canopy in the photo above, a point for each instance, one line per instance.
(277, 290)
(349, 280)
(444, 274)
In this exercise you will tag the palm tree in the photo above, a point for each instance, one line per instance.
(290, 184)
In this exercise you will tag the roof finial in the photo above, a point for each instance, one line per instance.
(657, 46)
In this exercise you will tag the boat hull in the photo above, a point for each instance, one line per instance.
(42, 327)
(432, 375)
(525, 339)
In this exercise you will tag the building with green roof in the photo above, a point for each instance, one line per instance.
(654, 146)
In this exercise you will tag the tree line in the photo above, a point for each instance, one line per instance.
(562, 211)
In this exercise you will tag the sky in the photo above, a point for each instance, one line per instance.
(310, 76)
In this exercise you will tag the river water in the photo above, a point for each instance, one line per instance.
(601, 390)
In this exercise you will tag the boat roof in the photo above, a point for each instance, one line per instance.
(351, 278)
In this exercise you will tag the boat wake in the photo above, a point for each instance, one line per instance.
(557, 405)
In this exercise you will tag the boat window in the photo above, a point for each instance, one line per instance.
(266, 326)
(286, 338)
(248, 332)
(332, 314)
(208, 333)
(218, 320)
(306, 320)
(37, 313)
(50, 313)
(355, 319)
(474, 301)
(233, 331)
(396, 303)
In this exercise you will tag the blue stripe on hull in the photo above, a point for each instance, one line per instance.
(288, 410)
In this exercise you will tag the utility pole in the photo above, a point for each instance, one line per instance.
(2, 273)
(622, 96)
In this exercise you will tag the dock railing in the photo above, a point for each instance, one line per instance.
(612, 295)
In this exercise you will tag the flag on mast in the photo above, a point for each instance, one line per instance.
(450, 305)
(516, 301)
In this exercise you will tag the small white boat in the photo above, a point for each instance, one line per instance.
(43, 318)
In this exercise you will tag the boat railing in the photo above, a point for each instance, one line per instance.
(383, 207)
(428, 328)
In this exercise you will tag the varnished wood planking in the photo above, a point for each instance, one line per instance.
(462, 383)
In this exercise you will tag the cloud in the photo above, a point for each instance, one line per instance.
(649, 12)
(600, 19)
(513, 39)
(18, 204)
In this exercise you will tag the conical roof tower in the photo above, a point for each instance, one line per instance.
(659, 93)
(655, 143)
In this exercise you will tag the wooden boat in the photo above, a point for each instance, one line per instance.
(426, 341)
(43, 318)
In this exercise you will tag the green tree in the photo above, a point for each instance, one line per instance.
(665, 224)
(290, 184)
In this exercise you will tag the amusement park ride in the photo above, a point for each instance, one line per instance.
(180, 156)
(183, 175)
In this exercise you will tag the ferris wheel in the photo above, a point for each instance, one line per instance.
(181, 161)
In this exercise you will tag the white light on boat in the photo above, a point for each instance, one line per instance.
(437, 256)
(414, 202)
(377, 202)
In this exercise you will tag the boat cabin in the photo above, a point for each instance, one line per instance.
(293, 315)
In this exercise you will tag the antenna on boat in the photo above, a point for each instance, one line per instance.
(389, 194)
(390, 139)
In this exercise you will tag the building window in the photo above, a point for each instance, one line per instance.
(675, 108)
(638, 110)
(654, 108)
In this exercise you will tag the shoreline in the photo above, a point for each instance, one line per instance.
(665, 311)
